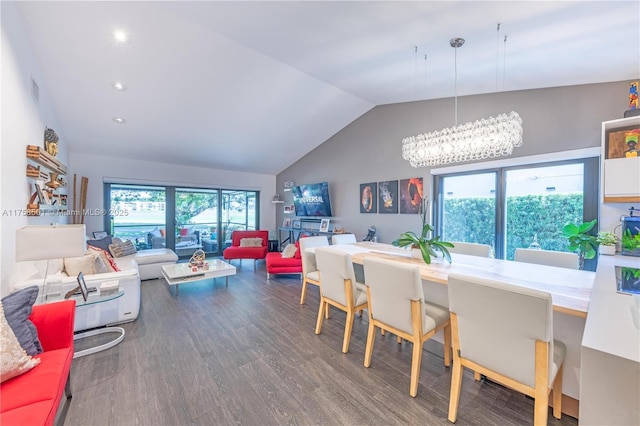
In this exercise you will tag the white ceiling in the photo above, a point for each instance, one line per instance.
(254, 86)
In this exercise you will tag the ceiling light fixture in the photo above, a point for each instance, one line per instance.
(119, 120)
(121, 36)
(118, 86)
(486, 138)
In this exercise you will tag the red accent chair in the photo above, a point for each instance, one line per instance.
(276, 264)
(255, 253)
(33, 398)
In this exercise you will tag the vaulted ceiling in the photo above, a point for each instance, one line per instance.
(254, 86)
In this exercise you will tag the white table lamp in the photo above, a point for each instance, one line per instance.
(46, 242)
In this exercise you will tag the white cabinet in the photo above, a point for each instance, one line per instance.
(620, 176)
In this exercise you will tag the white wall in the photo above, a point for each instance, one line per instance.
(23, 122)
(101, 169)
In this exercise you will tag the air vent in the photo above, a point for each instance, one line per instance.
(35, 90)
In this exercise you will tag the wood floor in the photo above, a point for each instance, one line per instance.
(247, 354)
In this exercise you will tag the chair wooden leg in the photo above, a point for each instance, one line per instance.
(476, 376)
(541, 389)
(347, 331)
(371, 337)
(447, 345)
(416, 361)
(557, 394)
(321, 311)
(326, 314)
(304, 291)
(381, 332)
(399, 339)
(456, 386)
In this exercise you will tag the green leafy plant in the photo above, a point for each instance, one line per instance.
(607, 238)
(581, 241)
(630, 242)
(428, 246)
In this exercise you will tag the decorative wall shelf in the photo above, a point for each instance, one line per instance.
(46, 164)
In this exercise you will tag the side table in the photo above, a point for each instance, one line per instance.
(119, 331)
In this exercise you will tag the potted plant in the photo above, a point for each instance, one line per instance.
(607, 241)
(427, 247)
(581, 241)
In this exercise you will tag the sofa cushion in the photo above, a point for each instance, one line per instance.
(15, 360)
(123, 249)
(40, 384)
(102, 243)
(89, 264)
(146, 257)
(106, 257)
(251, 242)
(17, 308)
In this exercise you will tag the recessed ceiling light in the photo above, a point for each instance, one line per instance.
(119, 120)
(118, 86)
(121, 36)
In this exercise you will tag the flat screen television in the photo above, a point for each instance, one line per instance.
(312, 200)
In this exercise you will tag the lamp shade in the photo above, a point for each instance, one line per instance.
(40, 242)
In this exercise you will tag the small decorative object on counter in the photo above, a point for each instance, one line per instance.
(607, 242)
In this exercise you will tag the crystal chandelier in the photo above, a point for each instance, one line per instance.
(486, 138)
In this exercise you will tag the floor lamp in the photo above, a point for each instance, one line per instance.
(46, 242)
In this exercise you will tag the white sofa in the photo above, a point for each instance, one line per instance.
(150, 262)
(123, 309)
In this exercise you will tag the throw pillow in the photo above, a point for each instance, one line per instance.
(156, 233)
(102, 243)
(124, 249)
(298, 255)
(14, 360)
(17, 309)
(107, 259)
(85, 264)
(163, 233)
(251, 242)
(289, 251)
(99, 266)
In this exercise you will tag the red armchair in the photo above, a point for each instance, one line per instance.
(33, 398)
(276, 264)
(255, 253)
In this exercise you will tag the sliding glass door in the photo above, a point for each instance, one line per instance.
(517, 207)
(182, 219)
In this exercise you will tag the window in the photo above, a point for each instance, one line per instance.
(513, 207)
(183, 219)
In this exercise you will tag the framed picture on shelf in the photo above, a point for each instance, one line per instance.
(43, 195)
(287, 222)
(296, 224)
(622, 142)
(324, 225)
(288, 208)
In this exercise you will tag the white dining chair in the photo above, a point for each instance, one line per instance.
(505, 332)
(343, 239)
(309, 269)
(339, 288)
(397, 305)
(560, 259)
(472, 249)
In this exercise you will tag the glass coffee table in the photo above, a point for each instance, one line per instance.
(181, 273)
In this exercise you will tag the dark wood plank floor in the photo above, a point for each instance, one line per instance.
(247, 354)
